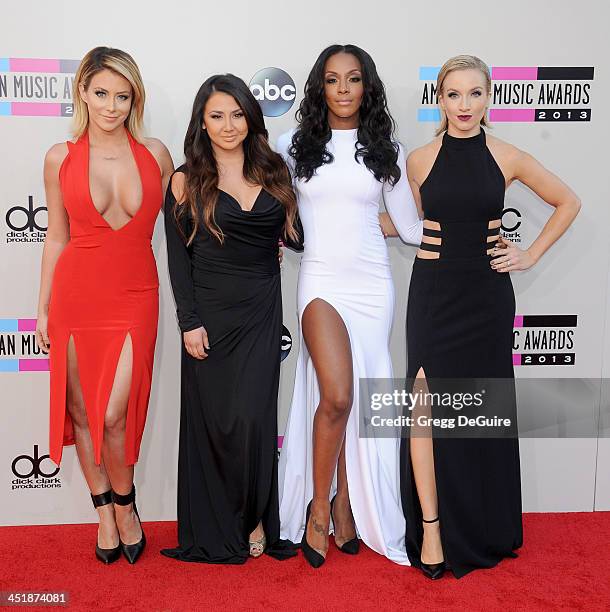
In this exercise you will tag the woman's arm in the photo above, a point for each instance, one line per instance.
(164, 159)
(179, 262)
(553, 191)
(58, 235)
(402, 207)
(297, 244)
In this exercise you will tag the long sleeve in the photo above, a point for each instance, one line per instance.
(400, 204)
(297, 245)
(283, 144)
(179, 262)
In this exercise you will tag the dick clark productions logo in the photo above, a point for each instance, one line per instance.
(26, 224)
(511, 222)
(34, 472)
(274, 90)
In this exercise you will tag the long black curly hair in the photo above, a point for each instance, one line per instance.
(375, 144)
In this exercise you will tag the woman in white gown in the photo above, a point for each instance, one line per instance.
(344, 161)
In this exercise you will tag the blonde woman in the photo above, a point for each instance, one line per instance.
(98, 303)
(462, 495)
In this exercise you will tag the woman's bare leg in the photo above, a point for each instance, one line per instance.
(342, 510)
(328, 344)
(422, 460)
(113, 448)
(95, 475)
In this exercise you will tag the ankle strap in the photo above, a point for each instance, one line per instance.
(423, 520)
(124, 500)
(102, 499)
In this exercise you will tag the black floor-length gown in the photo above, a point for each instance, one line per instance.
(227, 465)
(459, 326)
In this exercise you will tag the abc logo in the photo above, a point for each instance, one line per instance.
(286, 343)
(20, 219)
(513, 223)
(25, 466)
(275, 91)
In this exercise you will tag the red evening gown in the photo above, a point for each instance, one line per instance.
(105, 286)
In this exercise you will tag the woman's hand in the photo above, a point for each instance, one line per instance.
(387, 227)
(196, 343)
(42, 337)
(508, 257)
(280, 252)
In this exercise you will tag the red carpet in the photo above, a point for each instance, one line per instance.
(564, 565)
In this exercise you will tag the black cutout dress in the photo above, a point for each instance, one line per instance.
(459, 326)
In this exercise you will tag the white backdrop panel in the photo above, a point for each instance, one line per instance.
(177, 46)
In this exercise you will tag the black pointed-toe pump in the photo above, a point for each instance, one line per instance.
(314, 558)
(352, 546)
(132, 552)
(434, 571)
(105, 555)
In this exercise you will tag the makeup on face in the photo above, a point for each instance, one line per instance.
(224, 121)
(343, 86)
(464, 99)
(108, 98)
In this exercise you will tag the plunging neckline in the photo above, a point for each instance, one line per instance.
(92, 203)
(234, 199)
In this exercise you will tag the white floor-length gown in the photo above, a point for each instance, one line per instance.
(346, 264)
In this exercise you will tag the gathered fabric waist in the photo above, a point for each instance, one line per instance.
(201, 274)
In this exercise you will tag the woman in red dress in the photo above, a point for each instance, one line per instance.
(98, 304)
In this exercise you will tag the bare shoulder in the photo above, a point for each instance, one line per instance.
(502, 148)
(421, 160)
(154, 145)
(425, 152)
(178, 184)
(509, 157)
(56, 155)
(158, 149)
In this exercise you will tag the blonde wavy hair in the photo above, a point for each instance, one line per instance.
(106, 58)
(461, 62)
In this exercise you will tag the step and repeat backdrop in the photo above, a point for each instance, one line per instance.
(549, 63)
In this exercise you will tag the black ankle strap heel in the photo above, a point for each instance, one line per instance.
(132, 552)
(105, 555)
(434, 571)
(124, 500)
(103, 499)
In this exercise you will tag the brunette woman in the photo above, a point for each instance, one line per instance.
(227, 207)
(344, 161)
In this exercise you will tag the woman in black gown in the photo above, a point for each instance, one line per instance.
(225, 211)
(461, 495)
